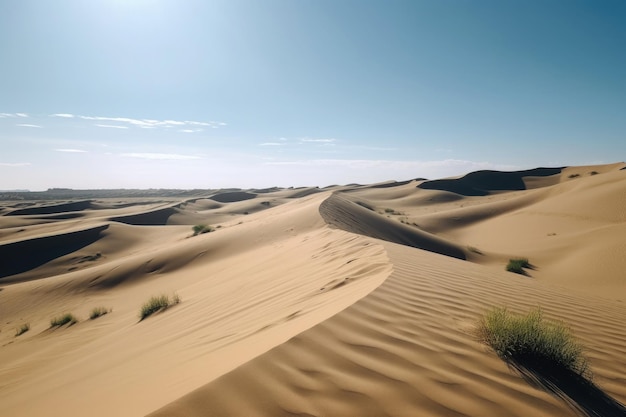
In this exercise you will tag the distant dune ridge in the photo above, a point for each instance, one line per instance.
(481, 183)
(347, 300)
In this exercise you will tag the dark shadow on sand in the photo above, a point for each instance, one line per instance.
(578, 391)
(23, 256)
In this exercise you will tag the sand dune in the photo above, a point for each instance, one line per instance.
(348, 300)
(353, 217)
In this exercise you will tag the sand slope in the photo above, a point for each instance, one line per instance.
(407, 349)
(245, 288)
(352, 300)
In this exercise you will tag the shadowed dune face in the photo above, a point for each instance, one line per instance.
(347, 215)
(481, 183)
(233, 197)
(152, 218)
(23, 256)
(52, 209)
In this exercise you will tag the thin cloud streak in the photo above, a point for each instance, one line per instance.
(14, 164)
(6, 115)
(112, 126)
(64, 115)
(309, 140)
(71, 150)
(28, 125)
(160, 156)
(151, 123)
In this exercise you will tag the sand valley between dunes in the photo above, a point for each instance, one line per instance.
(357, 300)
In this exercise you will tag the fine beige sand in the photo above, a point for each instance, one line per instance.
(358, 300)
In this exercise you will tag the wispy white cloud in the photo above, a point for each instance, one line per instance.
(271, 144)
(112, 126)
(152, 123)
(313, 140)
(14, 164)
(190, 130)
(6, 115)
(160, 156)
(28, 125)
(71, 150)
(65, 115)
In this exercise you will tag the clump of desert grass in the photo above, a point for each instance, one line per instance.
(530, 341)
(158, 303)
(517, 265)
(200, 229)
(22, 329)
(67, 318)
(98, 312)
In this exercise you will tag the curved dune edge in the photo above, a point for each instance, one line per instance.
(407, 349)
(340, 212)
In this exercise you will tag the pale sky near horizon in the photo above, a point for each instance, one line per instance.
(259, 93)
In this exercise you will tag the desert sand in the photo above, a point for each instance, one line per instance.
(357, 300)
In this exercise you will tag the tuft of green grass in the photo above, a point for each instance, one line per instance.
(573, 176)
(158, 303)
(594, 173)
(201, 229)
(531, 341)
(517, 265)
(98, 312)
(63, 320)
(22, 329)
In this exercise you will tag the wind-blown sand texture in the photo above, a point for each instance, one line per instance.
(358, 300)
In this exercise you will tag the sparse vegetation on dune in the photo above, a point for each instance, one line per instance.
(22, 329)
(98, 312)
(200, 229)
(517, 265)
(531, 341)
(63, 320)
(158, 303)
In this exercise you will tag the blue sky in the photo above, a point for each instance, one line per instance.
(233, 93)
